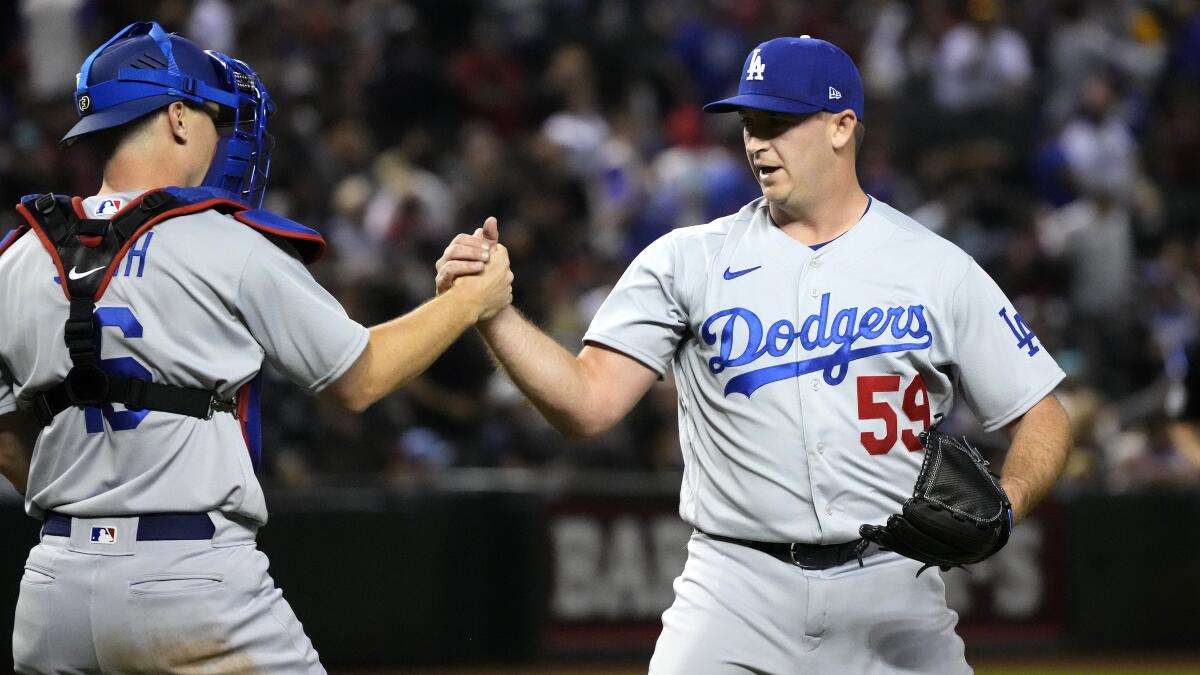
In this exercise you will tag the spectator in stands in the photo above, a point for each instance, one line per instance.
(1059, 143)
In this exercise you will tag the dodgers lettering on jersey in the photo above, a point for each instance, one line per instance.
(816, 331)
(805, 376)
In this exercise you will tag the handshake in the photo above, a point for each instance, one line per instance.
(478, 265)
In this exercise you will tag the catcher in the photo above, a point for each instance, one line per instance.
(147, 314)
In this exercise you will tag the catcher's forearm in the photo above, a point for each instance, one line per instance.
(401, 349)
(1041, 440)
(552, 378)
(18, 433)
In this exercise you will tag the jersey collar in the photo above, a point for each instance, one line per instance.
(103, 207)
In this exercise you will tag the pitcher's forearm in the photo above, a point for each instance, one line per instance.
(1037, 455)
(552, 378)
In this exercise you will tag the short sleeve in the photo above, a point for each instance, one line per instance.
(303, 329)
(643, 317)
(8, 398)
(1003, 368)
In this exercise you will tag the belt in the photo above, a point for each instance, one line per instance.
(151, 526)
(806, 556)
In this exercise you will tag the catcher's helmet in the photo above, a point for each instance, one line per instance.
(142, 69)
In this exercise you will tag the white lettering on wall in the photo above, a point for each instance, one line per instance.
(622, 571)
(1013, 577)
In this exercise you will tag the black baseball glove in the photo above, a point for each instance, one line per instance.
(958, 514)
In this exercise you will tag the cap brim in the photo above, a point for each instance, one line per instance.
(761, 102)
(116, 116)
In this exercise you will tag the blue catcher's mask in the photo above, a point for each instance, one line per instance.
(142, 69)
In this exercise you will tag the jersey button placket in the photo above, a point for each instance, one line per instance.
(809, 304)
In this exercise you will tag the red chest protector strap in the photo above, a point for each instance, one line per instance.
(87, 253)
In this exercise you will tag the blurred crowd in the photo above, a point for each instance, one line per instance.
(1057, 142)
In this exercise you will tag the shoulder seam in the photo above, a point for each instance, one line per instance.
(954, 313)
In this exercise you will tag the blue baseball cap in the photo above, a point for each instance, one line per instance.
(796, 75)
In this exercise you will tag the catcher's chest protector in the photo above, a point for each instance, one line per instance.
(86, 253)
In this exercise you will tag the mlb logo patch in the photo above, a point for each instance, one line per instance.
(108, 206)
(104, 535)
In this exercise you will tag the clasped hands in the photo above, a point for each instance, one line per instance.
(478, 262)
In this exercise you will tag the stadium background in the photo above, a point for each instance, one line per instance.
(449, 527)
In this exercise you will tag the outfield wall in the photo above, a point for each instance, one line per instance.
(494, 567)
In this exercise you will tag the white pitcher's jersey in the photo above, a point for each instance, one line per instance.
(805, 375)
(199, 301)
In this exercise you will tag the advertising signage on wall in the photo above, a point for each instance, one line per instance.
(614, 559)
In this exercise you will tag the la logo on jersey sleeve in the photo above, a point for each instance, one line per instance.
(1025, 337)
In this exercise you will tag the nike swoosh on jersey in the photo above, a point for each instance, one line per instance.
(73, 275)
(733, 275)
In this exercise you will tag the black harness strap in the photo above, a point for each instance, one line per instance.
(87, 264)
(131, 392)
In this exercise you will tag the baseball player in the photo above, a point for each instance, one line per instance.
(813, 335)
(137, 325)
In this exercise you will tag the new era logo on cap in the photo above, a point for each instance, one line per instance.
(834, 93)
(104, 535)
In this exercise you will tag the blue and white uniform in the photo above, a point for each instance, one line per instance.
(804, 377)
(200, 301)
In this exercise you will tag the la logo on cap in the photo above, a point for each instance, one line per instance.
(755, 71)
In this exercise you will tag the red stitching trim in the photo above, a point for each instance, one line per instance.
(120, 254)
(20, 232)
(77, 202)
(315, 237)
(243, 407)
(46, 244)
